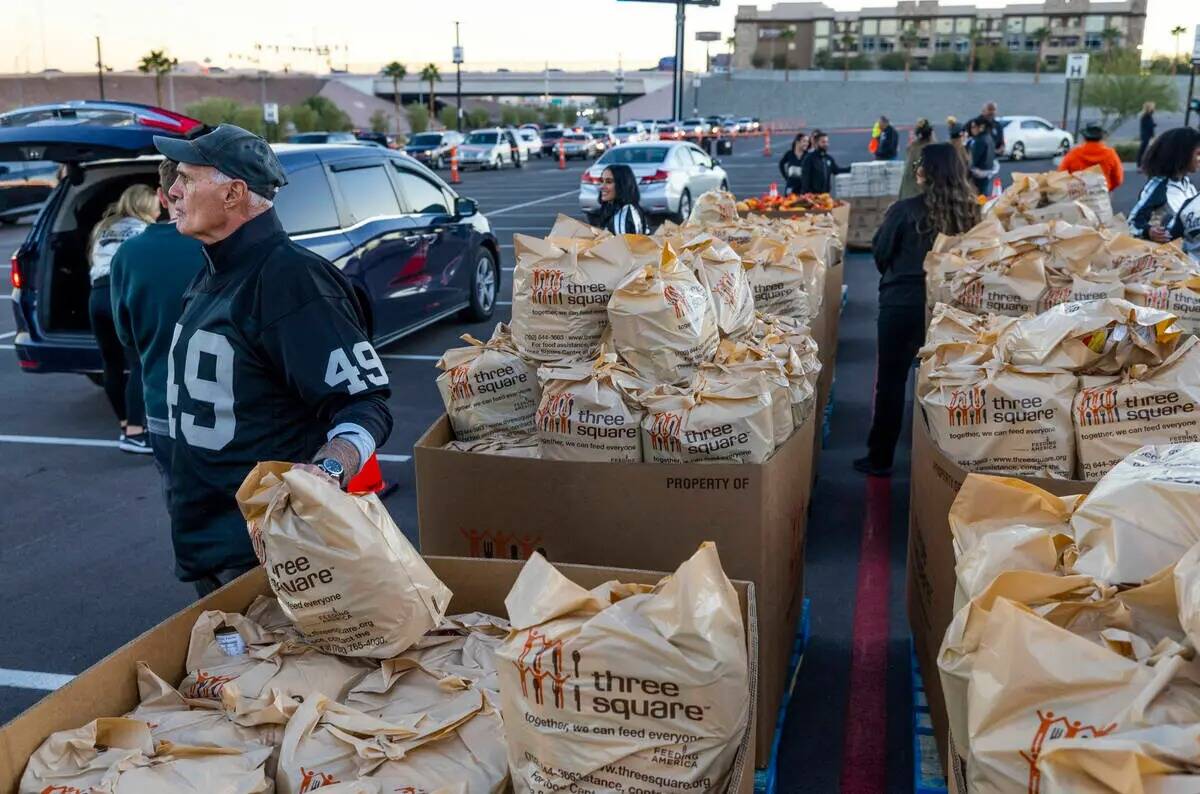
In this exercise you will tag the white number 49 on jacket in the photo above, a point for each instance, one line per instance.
(341, 370)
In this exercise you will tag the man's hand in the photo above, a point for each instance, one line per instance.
(1159, 235)
(340, 450)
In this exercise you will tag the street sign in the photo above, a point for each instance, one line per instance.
(458, 54)
(708, 35)
(1077, 65)
(271, 112)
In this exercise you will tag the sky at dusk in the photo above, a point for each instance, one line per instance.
(518, 34)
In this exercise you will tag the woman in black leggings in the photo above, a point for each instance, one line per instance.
(947, 205)
(133, 211)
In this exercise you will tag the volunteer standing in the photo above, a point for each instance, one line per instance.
(889, 140)
(270, 359)
(947, 206)
(1169, 163)
(819, 167)
(790, 165)
(150, 274)
(922, 137)
(982, 150)
(1093, 151)
(620, 210)
(1146, 127)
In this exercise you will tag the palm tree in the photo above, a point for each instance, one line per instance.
(1176, 31)
(1110, 36)
(730, 42)
(976, 38)
(908, 40)
(397, 72)
(157, 63)
(431, 75)
(1040, 35)
(787, 36)
(847, 42)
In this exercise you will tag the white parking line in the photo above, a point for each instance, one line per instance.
(58, 441)
(7, 335)
(394, 458)
(531, 203)
(412, 356)
(508, 269)
(504, 303)
(27, 679)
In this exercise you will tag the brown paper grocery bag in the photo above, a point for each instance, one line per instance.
(488, 387)
(343, 572)
(115, 755)
(1142, 516)
(1032, 681)
(624, 686)
(589, 411)
(1163, 759)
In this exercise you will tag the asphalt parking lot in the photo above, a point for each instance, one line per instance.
(84, 539)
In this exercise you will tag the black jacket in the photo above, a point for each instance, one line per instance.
(790, 167)
(817, 170)
(900, 247)
(270, 353)
(983, 155)
(1146, 126)
(889, 144)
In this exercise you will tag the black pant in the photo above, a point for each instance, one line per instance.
(124, 392)
(901, 334)
(983, 185)
(1142, 150)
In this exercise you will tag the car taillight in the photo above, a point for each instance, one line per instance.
(15, 272)
(658, 176)
(588, 179)
(170, 121)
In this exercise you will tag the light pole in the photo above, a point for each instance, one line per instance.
(458, 59)
(620, 81)
(99, 68)
(677, 73)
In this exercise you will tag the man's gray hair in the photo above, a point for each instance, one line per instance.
(258, 204)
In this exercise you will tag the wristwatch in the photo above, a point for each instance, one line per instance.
(333, 468)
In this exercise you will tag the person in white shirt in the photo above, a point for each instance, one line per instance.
(1169, 163)
(136, 209)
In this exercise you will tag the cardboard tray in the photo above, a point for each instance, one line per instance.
(109, 687)
(931, 581)
(640, 515)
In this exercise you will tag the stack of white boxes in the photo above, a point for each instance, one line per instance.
(873, 178)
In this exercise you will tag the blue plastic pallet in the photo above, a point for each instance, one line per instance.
(927, 767)
(764, 779)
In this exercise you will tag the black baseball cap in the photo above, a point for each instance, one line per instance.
(234, 152)
(1092, 131)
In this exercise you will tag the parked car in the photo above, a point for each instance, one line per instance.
(671, 175)
(631, 133)
(550, 140)
(530, 141)
(581, 145)
(414, 250)
(1033, 136)
(492, 148)
(322, 137)
(669, 131)
(748, 124)
(433, 148)
(380, 138)
(714, 125)
(730, 126)
(605, 139)
(24, 188)
(694, 128)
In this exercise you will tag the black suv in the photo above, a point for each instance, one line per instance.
(414, 250)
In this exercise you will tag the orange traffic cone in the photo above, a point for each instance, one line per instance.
(996, 189)
(369, 479)
(767, 144)
(454, 180)
(562, 156)
(773, 190)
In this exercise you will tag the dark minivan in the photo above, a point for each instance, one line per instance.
(414, 250)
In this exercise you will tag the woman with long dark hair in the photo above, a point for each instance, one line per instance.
(1169, 163)
(790, 163)
(947, 205)
(620, 210)
(922, 136)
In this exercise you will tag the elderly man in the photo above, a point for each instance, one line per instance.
(988, 117)
(270, 359)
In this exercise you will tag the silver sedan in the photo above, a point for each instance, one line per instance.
(671, 176)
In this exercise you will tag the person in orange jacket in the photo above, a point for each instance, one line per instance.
(1094, 151)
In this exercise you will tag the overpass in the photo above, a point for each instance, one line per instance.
(526, 84)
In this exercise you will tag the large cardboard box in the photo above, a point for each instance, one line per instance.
(642, 515)
(109, 688)
(935, 482)
(868, 214)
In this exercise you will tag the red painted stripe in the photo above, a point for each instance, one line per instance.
(864, 754)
